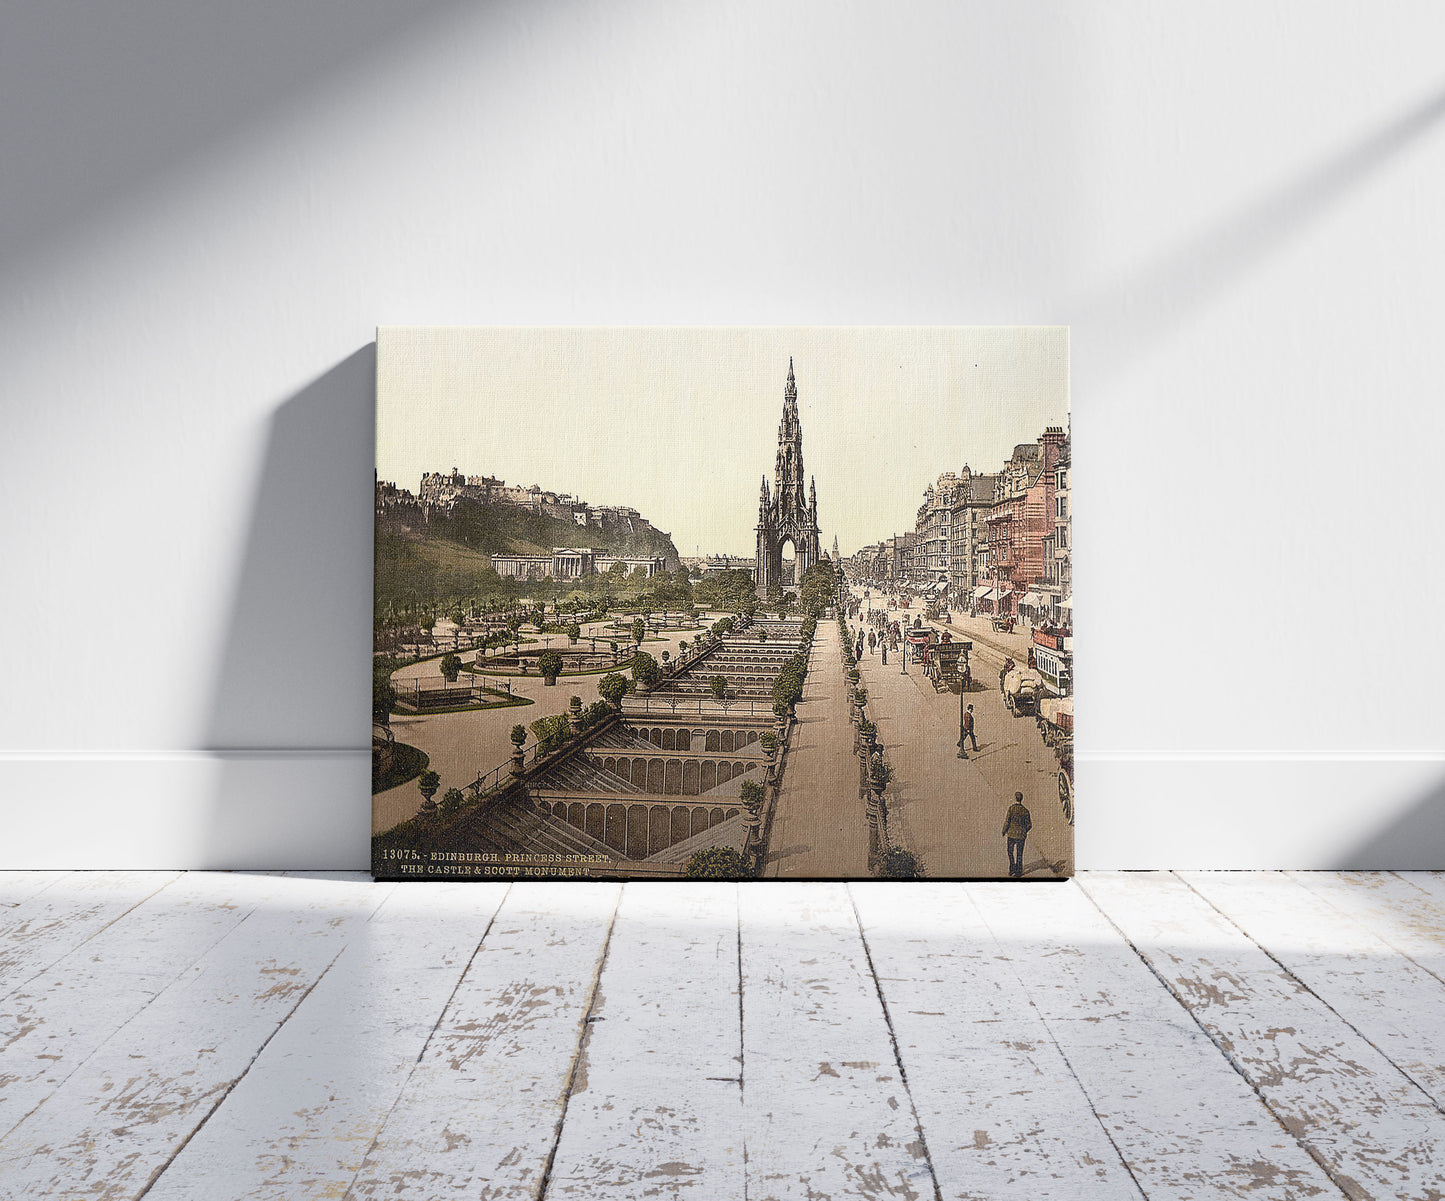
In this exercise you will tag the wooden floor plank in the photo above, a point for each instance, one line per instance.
(50, 1025)
(1001, 1113)
(656, 1108)
(124, 1114)
(1186, 1124)
(300, 1123)
(1405, 909)
(16, 887)
(480, 1114)
(48, 924)
(1373, 1129)
(1394, 1004)
(827, 1113)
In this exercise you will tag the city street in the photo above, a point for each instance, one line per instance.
(948, 811)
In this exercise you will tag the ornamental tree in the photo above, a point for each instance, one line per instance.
(612, 688)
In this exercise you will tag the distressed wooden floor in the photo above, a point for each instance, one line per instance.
(1190, 1035)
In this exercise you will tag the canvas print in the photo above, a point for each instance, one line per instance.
(723, 603)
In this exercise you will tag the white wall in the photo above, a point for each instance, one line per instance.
(205, 208)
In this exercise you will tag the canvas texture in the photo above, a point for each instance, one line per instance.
(723, 603)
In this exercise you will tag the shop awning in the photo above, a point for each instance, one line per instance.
(1032, 598)
(981, 592)
(941, 586)
(1067, 603)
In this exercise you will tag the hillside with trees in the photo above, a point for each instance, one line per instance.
(427, 563)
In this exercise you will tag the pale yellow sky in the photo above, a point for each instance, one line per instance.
(682, 423)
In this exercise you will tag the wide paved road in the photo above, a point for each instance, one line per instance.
(820, 825)
(949, 811)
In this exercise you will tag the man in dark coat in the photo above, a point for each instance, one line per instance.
(966, 734)
(1016, 827)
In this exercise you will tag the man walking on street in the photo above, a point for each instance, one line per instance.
(966, 734)
(1016, 827)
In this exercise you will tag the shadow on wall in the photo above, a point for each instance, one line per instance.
(119, 96)
(289, 721)
(1150, 304)
(1414, 841)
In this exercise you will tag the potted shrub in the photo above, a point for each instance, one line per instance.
(573, 632)
(880, 775)
(549, 663)
(645, 672)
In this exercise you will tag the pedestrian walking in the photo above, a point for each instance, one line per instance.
(883, 650)
(1016, 826)
(966, 733)
(872, 641)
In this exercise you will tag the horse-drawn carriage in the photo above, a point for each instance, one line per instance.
(1023, 690)
(945, 662)
(1056, 724)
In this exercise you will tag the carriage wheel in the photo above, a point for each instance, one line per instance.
(1066, 797)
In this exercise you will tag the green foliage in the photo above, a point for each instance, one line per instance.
(860, 697)
(900, 865)
(719, 687)
(452, 800)
(723, 625)
(406, 764)
(751, 794)
(718, 863)
(594, 713)
(817, 588)
(519, 735)
(769, 741)
(573, 631)
(451, 667)
(639, 630)
(551, 733)
(880, 772)
(428, 783)
(645, 671)
(549, 663)
(383, 692)
(612, 688)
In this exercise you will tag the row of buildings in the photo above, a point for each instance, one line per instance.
(995, 543)
(573, 563)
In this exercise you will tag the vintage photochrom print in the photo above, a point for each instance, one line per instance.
(723, 603)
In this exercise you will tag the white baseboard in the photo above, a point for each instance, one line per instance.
(186, 809)
(311, 809)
